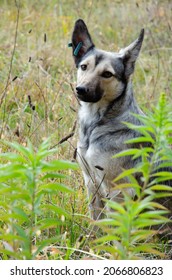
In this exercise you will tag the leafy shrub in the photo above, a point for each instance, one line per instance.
(132, 224)
(26, 178)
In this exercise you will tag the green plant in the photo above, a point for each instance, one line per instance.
(26, 178)
(131, 224)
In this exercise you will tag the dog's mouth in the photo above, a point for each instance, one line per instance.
(89, 96)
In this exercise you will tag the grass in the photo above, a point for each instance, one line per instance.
(37, 80)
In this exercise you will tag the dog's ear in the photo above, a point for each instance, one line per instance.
(130, 54)
(81, 40)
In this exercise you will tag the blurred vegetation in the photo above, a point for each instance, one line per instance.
(37, 78)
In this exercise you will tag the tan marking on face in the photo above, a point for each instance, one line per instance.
(92, 76)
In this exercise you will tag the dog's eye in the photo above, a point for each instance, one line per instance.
(83, 67)
(107, 74)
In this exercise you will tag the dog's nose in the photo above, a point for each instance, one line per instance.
(82, 90)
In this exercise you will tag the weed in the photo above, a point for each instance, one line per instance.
(27, 178)
(131, 225)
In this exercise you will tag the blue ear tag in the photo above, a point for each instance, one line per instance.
(78, 47)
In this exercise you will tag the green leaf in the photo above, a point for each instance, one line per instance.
(45, 153)
(6, 217)
(141, 140)
(21, 232)
(11, 171)
(112, 250)
(147, 248)
(13, 157)
(20, 212)
(161, 188)
(107, 222)
(140, 235)
(116, 206)
(4, 189)
(125, 173)
(54, 176)
(23, 150)
(15, 255)
(54, 187)
(129, 152)
(58, 165)
(143, 222)
(106, 238)
(11, 237)
(156, 214)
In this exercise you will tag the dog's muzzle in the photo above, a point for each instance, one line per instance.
(82, 90)
(84, 94)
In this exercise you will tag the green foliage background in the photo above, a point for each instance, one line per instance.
(35, 61)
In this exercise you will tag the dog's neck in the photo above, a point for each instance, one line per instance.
(95, 116)
(122, 105)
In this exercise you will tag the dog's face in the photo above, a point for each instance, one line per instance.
(101, 75)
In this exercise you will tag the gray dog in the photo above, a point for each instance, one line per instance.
(104, 89)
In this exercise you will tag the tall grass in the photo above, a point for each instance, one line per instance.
(37, 81)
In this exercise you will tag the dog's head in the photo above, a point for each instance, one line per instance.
(101, 74)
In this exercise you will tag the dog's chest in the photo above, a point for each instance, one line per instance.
(94, 149)
(93, 162)
(88, 121)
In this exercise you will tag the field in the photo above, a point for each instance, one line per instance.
(37, 97)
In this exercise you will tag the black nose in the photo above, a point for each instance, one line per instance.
(82, 90)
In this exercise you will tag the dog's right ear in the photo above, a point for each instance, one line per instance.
(81, 41)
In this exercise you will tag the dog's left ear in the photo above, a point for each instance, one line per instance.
(130, 54)
(81, 40)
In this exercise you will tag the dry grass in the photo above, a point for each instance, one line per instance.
(41, 67)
